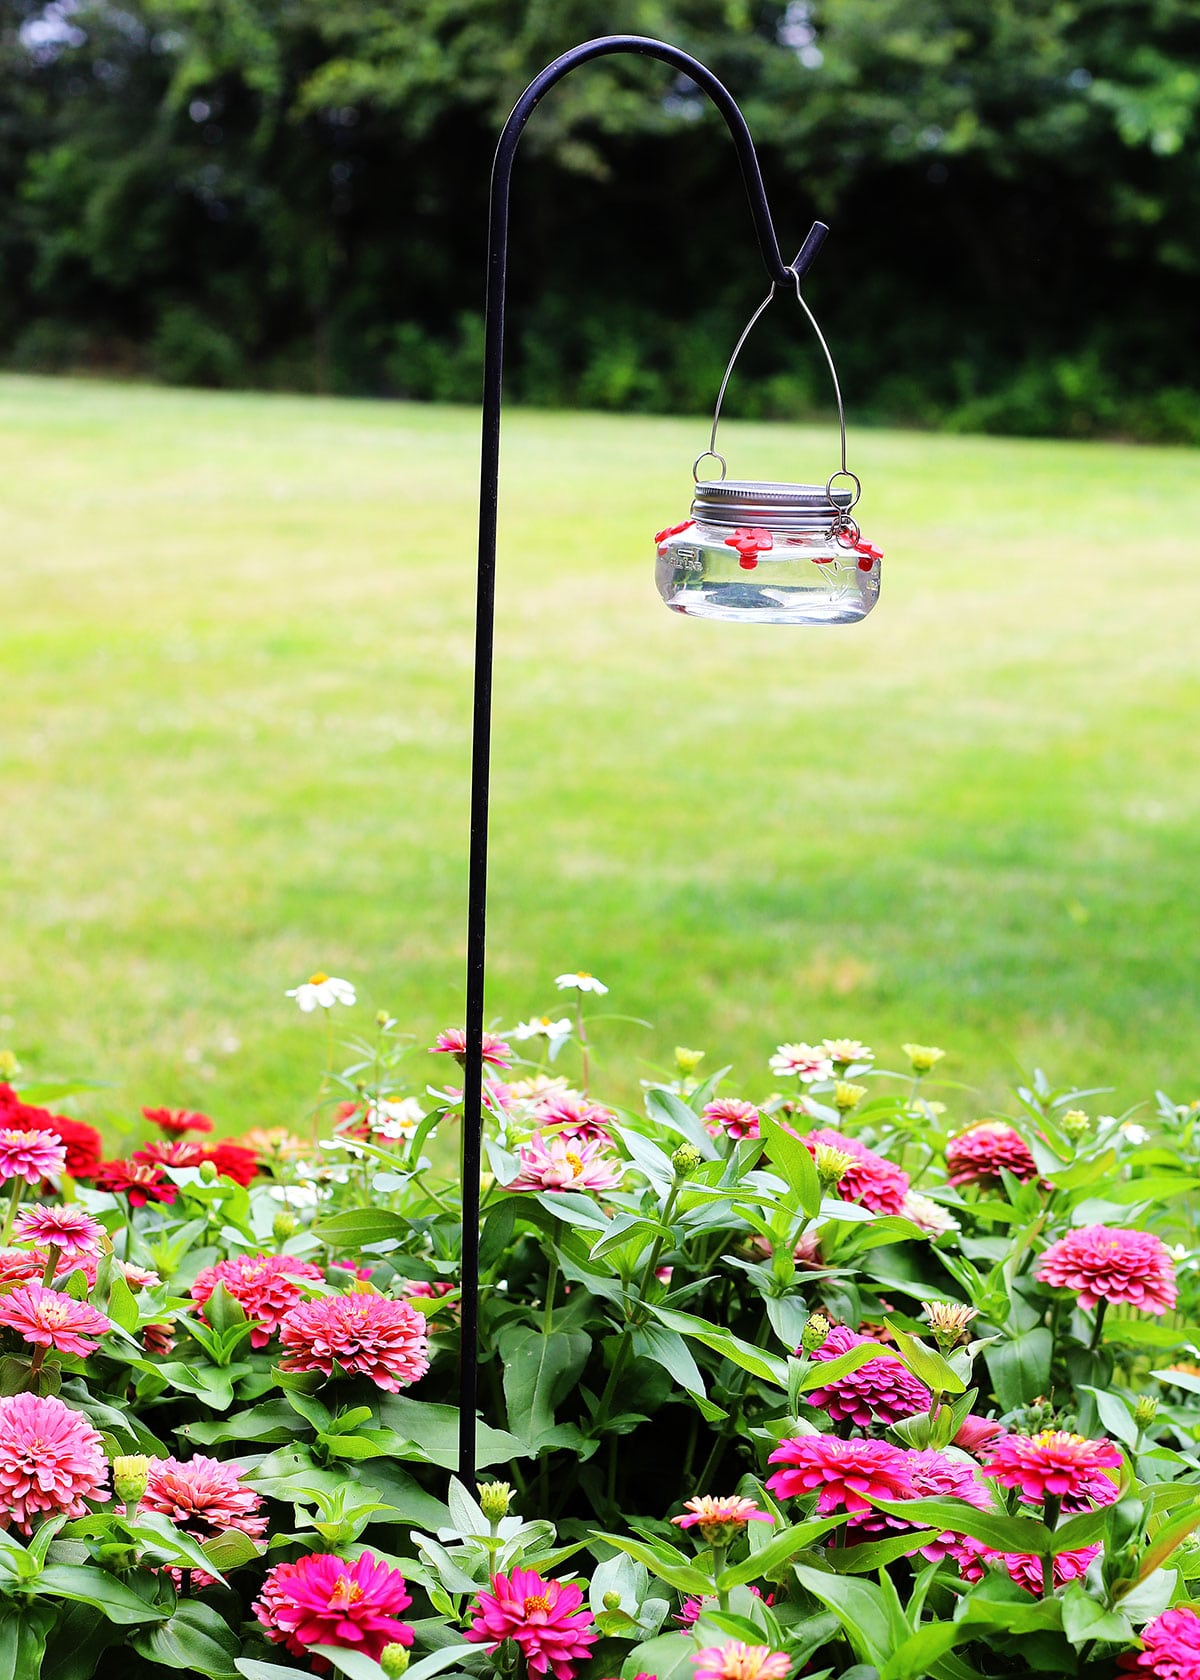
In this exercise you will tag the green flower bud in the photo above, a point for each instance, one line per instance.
(1144, 1410)
(382, 1018)
(393, 1660)
(815, 1333)
(686, 1159)
(131, 1472)
(612, 1601)
(832, 1165)
(9, 1065)
(495, 1499)
(208, 1172)
(922, 1056)
(284, 1225)
(1076, 1123)
(687, 1061)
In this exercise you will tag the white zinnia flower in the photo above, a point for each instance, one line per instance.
(928, 1215)
(580, 982)
(805, 1061)
(541, 1026)
(324, 990)
(395, 1120)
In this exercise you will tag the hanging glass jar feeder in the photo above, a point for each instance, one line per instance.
(767, 553)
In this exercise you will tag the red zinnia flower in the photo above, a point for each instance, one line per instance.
(51, 1460)
(366, 1334)
(266, 1286)
(874, 1182)
(83, 1144)
(1170, 1647)
(233, 1160)
(174, 1152)
(881, 1391)
(842, 1473)
(545, 1619)
(323, 1600)
(1105, 1263)
(32, 1156)
(1056, 1465)
(47, 1318)
(453, 1042)
(140, 1181)
(736, 1119)
(977, 1156)
(176, 1121)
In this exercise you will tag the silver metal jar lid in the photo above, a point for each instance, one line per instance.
(788, 507)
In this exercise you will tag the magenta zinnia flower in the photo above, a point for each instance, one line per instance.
(366, 1334)
(1105, 1263)
(735, 1661)
(877, 1184)
(585, 1120)
(50, 1319)
(51, 1460)
(323, 1600)
(203, 1496)
(543, 1617)
(935, 1475)
(453, 1042)
(265, 1285)
(1056, 1465)
(1025, 1568)
(1171, 1647)
(719, 1519)
(562, 1163)
(32, 1156)
(730, 1115)
(977, 1156)
(845, 1475)
(881, 1391)
(68, 1229)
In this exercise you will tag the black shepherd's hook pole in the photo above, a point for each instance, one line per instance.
(489, 472)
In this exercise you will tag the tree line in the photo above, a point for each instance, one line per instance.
(292, 194)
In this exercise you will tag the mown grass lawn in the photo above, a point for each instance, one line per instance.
(237, 650)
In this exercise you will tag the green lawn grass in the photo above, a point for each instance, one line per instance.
(237, 651)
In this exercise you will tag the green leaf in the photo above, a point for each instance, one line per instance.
(231, 1550)
(760, 1364)
(794, 1162)
(96, 1587)
(23, 1641)
(771, 1559)
(252, 1669)
(359, 1227)
(434, 1429)
(823, 1371)
(858, 1605)
(1114, 1414)
(356, 1665)
(668, 1349)
(79, 1636)
(667, 1109)
(1083, 1619)
(1002, 1533)
(870, 1555)
(667, 1657)
(539, 1372)
(426, 1667)
(926, 1364)
(913, 1657)
(272, 1421)
(1020, 1368)
(196, 1640)
(662, 1561)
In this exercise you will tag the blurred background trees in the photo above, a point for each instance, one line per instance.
(292, 193)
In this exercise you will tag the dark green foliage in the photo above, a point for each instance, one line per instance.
(293, 193)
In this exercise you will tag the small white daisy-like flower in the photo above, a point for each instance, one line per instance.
(322, 991)
(541, 1026)
(580, 983)
(1134, 1133)
(395, 1120)
(844, 1051)
(803, 1061)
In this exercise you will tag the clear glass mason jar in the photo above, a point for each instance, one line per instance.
(768, 554)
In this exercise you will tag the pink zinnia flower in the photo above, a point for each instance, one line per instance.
(366, 1334)
(881, 1391)
(453, 1042)
(1170, 1647)
(558, 1163)
(804, 1061)
(323, 1600)
(32, 1156)
(169, 1152)
(1026, 1568)
(735, 1661)
(203, 1496)
(51, 1460)
(976, 1434)
(1105, 1263)
(137, 1277)
(735, 1118)
(50, 1319)
(935, 1475)
(176, 1121)
(17, 1265)
(68, 1229)
(1056, 1465)
(543, 1617)
(585, 1120)
(845, 1475)
(719, 1519)
(265, 1285)
(875, 1183)
(977, 1156)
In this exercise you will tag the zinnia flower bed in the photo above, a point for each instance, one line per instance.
(817, 1372)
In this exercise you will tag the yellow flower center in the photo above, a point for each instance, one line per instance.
(54, 1312)
(346, 1592)
(575, 1162)
(317, 979)
(538, 1601)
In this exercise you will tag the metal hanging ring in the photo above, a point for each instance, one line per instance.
(844, 472)
(709, 454)
(846, 533)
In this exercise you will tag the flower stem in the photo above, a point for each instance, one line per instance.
(551, 1287)
(1101, 1309)
(18, 1184)
(53, 1256)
